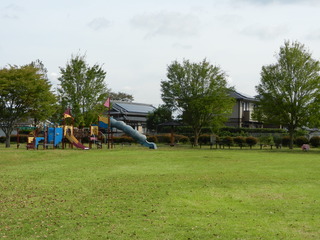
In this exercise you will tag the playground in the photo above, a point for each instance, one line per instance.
(130, 192)
(67, 136)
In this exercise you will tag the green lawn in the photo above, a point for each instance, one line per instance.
(171, 193)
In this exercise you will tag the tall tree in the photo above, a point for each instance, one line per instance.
(161, 115)
(199, 91)
(289, 92)
(23, 91)
(47, 104)
(83, 89)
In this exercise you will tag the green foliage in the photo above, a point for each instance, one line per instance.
(164, 138)
(286, 141)
(161, 115)
(123, 139)
(227, 141)
(182, 139)
(82, 88)
(301, 140)
(152, 138)
(121, 96)
(289, 92)
(199, 91)
(251, 141)
(315, 141)
(204, 139)
(239, 140)
(233, 131)
(25, 92)
(266, 140)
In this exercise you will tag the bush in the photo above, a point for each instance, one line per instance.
(204, 139)
(266, 140)
(301, 140)
(123, 139)
(227, 141)
(239, 140)
(251, 141)
(315, 141)
(152, 139)
(164, 138)
(285, 141)
(181, 139)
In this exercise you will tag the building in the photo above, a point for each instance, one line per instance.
(242, 111)
(133, 114)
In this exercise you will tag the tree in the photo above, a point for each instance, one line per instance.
(199, 91)
(46, 106)
(289, 90)
(82, 88)
(161, 115)
(23, 92)
(121, 96)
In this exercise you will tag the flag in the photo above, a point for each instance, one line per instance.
(107, 103)
(67, 114)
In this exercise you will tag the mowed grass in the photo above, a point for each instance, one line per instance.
(169, 193)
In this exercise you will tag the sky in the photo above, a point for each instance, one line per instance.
(135, 41)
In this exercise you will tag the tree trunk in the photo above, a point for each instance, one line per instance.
(196, 138)
(291, 139)
(8, 139)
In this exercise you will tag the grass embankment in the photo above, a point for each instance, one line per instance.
(169, 193)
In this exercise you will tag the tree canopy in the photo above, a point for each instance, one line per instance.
(289, 91)
(83, 89)
(199, 92)
(161, 115)
(25, 92)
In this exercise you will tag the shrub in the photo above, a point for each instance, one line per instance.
(181, 139)
(123, 139)
(227, 141)
(315, 141)
(266, 140)
(204, 139)
(251, 141)
(301, 140)
(152, 139)
(285, 141)
(164, 138)
(239, 140)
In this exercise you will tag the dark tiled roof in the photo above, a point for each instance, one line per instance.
(238, 95)
(129, 107)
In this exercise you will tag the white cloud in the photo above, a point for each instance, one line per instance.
(99, 23)
(265, 32)
(168, 24)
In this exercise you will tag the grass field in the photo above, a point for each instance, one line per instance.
(171, 193)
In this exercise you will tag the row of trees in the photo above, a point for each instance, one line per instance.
(26, 93)
(288, 93)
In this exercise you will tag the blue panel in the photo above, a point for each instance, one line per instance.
(139, 108)
(58, 136)
(103, 125)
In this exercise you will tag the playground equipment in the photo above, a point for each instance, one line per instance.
(140, 138)
(51, 137)
(68, 134)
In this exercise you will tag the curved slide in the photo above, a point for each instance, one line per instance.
(75, 142)
(140, 138)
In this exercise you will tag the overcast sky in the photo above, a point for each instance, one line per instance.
(135, 41)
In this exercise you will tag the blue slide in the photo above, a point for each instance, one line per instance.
(140, 138)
